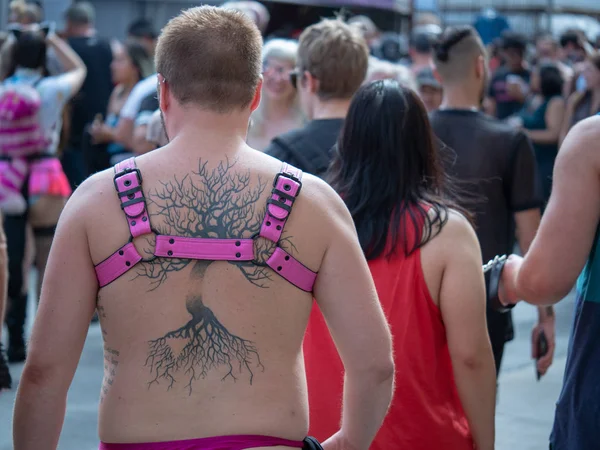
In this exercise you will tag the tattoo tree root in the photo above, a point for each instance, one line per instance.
(208, 345)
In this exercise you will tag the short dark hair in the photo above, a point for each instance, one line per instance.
(422, 42)
(29, 52)
(455, 51)
(551, 80)
(142, 28)
(514, 41)
(81, 13)
(570, 37)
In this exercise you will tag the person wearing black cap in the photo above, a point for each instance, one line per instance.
(430, 89)
(421, 51)
(143, 32)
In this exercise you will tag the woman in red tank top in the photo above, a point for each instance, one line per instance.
(426, 263)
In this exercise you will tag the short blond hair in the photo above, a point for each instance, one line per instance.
(337, 55)
(211, 57)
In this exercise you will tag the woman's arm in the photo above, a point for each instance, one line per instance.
(75, 69)
(555, 114)
(463, 307)
(568, 117)
(3, 272)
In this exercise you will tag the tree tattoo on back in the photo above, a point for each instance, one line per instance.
(208, 203)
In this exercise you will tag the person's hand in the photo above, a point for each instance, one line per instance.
(337, 442)
(515, 90)
(515, 122)
(508, 281)
(100, 132)
(547, 324)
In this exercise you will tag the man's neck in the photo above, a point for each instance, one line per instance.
(216, 132)
(331, 109)
(460, 97)
(421, 62)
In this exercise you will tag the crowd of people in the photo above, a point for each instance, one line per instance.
(415, 172)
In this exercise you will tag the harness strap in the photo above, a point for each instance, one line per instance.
(292, 270)
(117, 264)
(204, 248)
(128, 183)
(286, 187)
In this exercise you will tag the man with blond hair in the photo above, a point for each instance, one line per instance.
(205, 289)
(333, 58)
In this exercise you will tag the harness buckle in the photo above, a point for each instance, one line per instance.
(127, 171)
(289, 177)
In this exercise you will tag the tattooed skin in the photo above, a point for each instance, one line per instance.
(111, 362)
(111, 356)
(217, 203)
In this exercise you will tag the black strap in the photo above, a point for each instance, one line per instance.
(283, 195)
(280, 204)
(310, 443)
(130, 191)
(492, 279)
(311, 157)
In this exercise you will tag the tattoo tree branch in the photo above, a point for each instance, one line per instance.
(217, 203)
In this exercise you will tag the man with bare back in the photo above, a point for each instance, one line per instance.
(202, 259)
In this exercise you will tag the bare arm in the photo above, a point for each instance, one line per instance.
(463, 307)
(3, 272)
(528, 223)
(347, 297)
(555, 114)
(68, 297)
(74, 67)
(568, 117)
(566, 235)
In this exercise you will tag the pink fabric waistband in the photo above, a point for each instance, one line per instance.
(240, 442)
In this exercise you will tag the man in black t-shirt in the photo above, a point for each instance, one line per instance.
(332, 64)
(494, 164)
(93, 97)
(510, 84)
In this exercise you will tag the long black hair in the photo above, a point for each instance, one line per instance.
(140, 59)
(551, 80)
(388, 170)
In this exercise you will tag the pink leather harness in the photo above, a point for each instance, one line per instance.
(128, 183)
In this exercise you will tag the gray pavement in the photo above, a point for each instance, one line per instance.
(524, 414)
